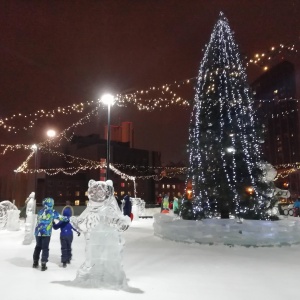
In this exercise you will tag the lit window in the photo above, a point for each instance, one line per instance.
(77, 193)
(168, 186)
(122, 193)
(122, 184)
(173, 186)
(86, 193)
(163, 186)
(77, 202)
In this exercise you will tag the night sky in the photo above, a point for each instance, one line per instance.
(56, 53)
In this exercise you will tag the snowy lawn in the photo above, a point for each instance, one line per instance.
(156, 269)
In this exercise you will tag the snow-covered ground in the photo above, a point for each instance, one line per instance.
(156, 269)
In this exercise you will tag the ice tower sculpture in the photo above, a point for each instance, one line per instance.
(102, 223)
(30, 219)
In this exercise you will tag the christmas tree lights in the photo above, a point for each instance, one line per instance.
(224, 151)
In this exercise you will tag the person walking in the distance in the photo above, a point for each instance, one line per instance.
(43, 230)
(165, 202)
(297, 207)
(66, 237)
(127, 205)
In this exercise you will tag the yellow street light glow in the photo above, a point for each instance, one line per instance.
(249, 190)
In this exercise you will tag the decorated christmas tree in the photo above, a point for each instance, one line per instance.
(224, 148)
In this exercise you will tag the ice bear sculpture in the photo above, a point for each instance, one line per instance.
(102, 223)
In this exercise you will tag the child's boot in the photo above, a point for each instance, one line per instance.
(64, 265)
(35, 264)
(44, 267)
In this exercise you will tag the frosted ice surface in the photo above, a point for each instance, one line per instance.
(102, 223)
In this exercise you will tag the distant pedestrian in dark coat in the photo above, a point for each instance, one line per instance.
(297, 208)
(127, 205)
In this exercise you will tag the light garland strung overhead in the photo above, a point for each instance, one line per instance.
(155, 97)
(150, 107)
(284, 170)
(263, 60)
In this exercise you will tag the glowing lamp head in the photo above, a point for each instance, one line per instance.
(108, 99)
(51, 133)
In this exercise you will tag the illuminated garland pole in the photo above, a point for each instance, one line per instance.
(224, 151)
(35, 149)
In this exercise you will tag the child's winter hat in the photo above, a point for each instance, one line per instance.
(67, 211)
(48, 202)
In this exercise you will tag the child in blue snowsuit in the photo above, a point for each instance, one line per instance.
(43, 230)
(66, 237)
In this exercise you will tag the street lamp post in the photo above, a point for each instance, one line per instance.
(108, 100)
(34, 147)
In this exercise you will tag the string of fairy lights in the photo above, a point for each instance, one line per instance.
(152, 98)
(263, 59)
(155, 97)
(86, 164)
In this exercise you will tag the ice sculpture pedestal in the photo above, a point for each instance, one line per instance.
(103, 267)
(29, 228)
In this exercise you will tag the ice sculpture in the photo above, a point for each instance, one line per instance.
(9, 216)
(138, 208)
(274, 194)
(102, 223)
(30, 219)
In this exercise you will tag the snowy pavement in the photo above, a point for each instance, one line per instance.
(156, 269)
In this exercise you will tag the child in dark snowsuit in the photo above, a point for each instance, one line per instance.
(66, 237)
(43, 230)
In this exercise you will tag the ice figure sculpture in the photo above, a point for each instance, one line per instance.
(274, 194)
(138, 208)
(101, 222)
(30, 219)
(9, 216)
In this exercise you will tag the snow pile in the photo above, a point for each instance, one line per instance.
(227, 231)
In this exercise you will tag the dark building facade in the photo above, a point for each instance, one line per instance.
(277, 109)
(73, 187)
(175, 186)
